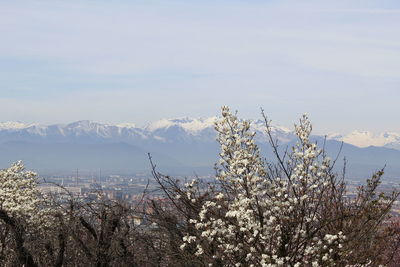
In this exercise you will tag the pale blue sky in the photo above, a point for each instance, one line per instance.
(139, 61)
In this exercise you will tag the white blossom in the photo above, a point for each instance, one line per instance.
(261, 210)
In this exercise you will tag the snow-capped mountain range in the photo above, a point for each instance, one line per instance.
(168, 130)
(182, 145)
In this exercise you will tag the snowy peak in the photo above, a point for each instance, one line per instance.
(11, 125)
(366, 139)
(126, 125)
(192, 126)
(87, 127)
(259, 125)
(84, 124)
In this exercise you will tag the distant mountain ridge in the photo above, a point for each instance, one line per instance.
(182, 145)
(165, 130)
(159, 130)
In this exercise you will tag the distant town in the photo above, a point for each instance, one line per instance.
(130, 189)
(114, 187)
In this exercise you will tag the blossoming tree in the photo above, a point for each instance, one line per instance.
(291, 212)
(18, 208)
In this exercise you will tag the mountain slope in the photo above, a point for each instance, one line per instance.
(180, 145)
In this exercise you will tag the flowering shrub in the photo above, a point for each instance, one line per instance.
(19, 210)
(290, 213)
(18, 192)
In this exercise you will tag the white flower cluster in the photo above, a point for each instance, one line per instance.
(191, 190)
(18, 192)
(254, 220)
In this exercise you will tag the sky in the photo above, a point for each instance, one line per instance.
(140, 61)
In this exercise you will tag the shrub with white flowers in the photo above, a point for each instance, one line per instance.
(19, 211)
(18, 192)
(289, 213)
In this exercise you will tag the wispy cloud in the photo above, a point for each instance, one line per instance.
(188, 57)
